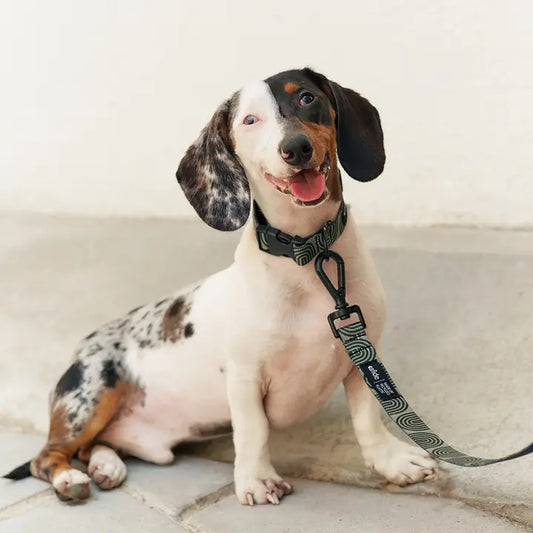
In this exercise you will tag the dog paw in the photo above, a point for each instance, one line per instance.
(106, 468)
(269, 489)
(72, 485)
(399, 462)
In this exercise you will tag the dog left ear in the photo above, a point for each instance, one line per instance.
(212, 176)
(359, 134)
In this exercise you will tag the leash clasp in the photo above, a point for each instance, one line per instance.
(343, 310)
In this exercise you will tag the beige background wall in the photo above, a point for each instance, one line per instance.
(99, 99)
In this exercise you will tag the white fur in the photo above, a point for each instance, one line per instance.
(65, 481)
(106, 468)
(257, 145)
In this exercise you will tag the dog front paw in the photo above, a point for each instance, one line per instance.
(269, 488)
(399, 462)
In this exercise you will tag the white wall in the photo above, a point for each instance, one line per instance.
(99, 99)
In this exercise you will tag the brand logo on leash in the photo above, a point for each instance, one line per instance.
(378, 380)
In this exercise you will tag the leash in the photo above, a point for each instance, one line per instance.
(365, 358)
(353, 336)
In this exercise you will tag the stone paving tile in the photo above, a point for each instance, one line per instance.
(15, 449)
(329, 508)
(174, 487)
(105, 512)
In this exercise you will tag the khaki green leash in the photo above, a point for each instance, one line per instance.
(362, 353)
(365, 358)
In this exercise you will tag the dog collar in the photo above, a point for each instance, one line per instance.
(301, 250)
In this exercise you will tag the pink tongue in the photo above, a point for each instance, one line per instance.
(308, 185)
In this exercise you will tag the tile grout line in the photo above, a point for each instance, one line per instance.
(157, 507)
(149, 502)
(183, 517)
(26, 504)
(203, 502)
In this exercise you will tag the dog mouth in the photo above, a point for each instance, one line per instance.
(307, 187)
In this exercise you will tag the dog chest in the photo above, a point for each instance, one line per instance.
(301, 378)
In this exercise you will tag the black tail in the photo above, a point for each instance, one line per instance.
(20, 472)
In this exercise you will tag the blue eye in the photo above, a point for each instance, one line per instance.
(306, 98)
(250, 119)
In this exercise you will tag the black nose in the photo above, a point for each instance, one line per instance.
(297, 150)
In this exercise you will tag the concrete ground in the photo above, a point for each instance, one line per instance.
(458, 344)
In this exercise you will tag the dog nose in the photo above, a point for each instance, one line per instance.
(297, 150)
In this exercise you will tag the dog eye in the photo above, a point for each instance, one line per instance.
(250, 119)
(306, 98)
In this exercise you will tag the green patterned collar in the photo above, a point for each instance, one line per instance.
(301, 249)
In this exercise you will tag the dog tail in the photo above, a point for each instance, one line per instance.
(20, 472)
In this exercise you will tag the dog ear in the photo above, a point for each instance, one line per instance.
(212, 177)
(359, 134)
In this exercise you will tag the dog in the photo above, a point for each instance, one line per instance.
(250, 346)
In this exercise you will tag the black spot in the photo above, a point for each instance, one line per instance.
(109, 373)
(221, 369)
(82, 400)
(91, 335)
(94, 349)
(134, 310)
(70, 380)
(71, 416)
(288, 103)
(176, 307)
(189, 330)
(116, 345)
(161, 302)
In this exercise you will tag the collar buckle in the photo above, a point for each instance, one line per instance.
(279, 242)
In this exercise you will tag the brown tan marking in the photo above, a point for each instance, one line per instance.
(324, 140)
(334, 180)
(172, 324)
(290, 87)
(61, 446)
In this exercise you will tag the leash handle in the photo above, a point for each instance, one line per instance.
(365, 358)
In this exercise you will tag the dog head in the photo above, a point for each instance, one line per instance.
(280, 138)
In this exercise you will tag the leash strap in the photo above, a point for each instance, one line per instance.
(301, 249)
(365, 358)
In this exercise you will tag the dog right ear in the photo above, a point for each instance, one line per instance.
(359, 134)
(212, 177)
